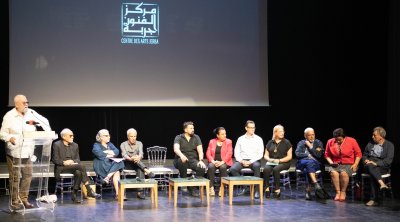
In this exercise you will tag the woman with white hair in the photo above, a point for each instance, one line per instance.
(103, 165)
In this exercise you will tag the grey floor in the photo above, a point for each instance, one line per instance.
(291, 207)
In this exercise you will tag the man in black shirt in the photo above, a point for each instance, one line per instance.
(189, 153)
(66, 160)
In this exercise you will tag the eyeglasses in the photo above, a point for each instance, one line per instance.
(71, 135)
(25, 102)
(250, 127)
(105, 135)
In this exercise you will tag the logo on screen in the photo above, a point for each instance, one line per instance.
(140, 23)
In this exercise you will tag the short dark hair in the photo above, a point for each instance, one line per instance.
(249, 122)
(187, 123)
(339, 132)
(216, 130)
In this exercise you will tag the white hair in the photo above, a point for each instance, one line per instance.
(131, 130)
(100, 133)
(64, 131)
(308, 129)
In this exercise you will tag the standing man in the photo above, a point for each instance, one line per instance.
(16, 122)
(189, 153)
(249, 150)
(66, 160)
(132, 152)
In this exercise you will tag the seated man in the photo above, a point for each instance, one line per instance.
(308, 153)
(249, 150)
(66, 160)
(377, 158)
(189, 153)
(132, 152)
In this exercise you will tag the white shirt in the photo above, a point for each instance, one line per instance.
(14, 125)
(249, 148)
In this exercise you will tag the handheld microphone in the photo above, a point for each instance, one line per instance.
(40, 121)
(32, 122)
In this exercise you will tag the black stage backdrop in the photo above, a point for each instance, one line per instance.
(331, 64)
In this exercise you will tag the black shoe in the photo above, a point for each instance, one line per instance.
(91, 193)
(256, 195)
(267, 194)
(193, 193)
(141, 196)
(151, 175)
(277, 195)
(74, 197)
(308, 195)
(241, 192)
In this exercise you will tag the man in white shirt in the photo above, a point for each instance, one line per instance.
(16, 122)
(249, 150)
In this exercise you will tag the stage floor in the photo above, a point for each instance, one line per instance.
(289, 208)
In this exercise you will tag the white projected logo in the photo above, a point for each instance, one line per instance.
(140, 23)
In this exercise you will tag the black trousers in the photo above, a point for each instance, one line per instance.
(138, 167)
(376, 174)
(223, 170)
(237, 167)
(79, 171)
(190, 164)
(276, 172)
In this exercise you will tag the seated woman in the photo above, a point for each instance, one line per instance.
(377, 158)
(308, 152)
(343, 154)
(278, 153)
(219, 156)
(106, 168)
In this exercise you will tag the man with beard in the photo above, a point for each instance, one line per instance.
(189, 153)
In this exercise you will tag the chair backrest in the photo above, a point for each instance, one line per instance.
(157, 156)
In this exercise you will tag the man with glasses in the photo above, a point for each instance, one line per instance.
(66, 160)
(249, 150)
(16, 122)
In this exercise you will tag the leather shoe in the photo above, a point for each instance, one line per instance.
(141, 196)
(28, 205)
(74, 198)
(308, 195)
(241, 192)
(192, 192)
(256, 195)
(151, 175)
(277, 195)
(91, 193)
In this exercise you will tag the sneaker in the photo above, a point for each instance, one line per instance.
(212, 192)
(184, 189)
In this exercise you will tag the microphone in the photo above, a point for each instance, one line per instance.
(32, 122)
(40, 121)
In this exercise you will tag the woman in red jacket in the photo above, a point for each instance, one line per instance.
(343, 154)
(219, 156)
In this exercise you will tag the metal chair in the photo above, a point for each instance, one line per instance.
(301, 179)
(385, 177)
(157, 156)
(66, 182)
